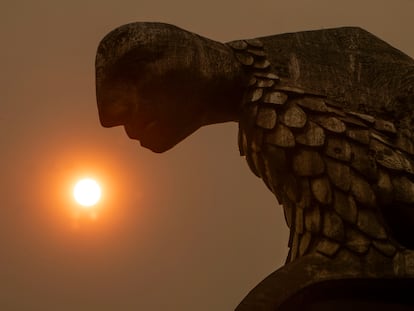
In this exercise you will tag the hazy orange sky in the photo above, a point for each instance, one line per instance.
(191, 229)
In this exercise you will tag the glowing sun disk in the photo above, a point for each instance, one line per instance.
(87, 192)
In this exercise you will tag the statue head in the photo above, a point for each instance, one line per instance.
(162, 83)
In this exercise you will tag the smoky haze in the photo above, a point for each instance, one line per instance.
(191, 229)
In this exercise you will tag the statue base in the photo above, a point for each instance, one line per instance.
(318, 283)
(355, 295)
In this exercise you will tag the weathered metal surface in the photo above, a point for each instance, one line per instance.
(348, 160)
(328, 247)
(339, 174)
(333, 226)
(245, 59)
(262, 64)
(385, 187)
(255, 42)
(361, 136)
(368, 223)
(281, 136)
(256, 95)
(356, 241)
(387, 248)
(265, 83)
(404, 143)
(266, 118)
(267, 75)
(321, 189)
(313, 219)
(331, 123)
(308, 163)
(276, 98)
(385, 126)
(294, 117)
(364, 117)
(313, 103)
(238, 45)
(345, 206)
(363, 162)
(337, 151)
(362, 191)
(305, 241)
(313, 135)
(299, 224)
(403, 189)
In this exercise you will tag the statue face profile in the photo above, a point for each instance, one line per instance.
(162, 83)
(152, 116)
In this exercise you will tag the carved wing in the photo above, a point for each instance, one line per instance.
(345, 179)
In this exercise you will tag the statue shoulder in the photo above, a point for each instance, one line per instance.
(349, 65)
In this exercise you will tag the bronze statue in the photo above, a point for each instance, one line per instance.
(325, 119)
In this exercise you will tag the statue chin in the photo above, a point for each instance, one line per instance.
(158, 140)
(155, 147)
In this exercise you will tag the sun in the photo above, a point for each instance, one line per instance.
(87, 192)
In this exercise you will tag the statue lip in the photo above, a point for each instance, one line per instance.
(138, 133)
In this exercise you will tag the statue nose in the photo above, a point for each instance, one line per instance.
(114, 103)
(113, 113)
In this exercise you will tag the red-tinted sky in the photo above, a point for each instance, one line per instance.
(191, 229)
